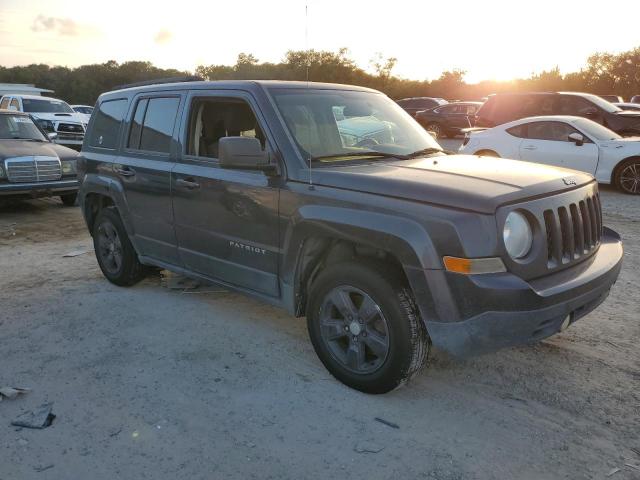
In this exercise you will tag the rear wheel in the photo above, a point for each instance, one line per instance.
(627, 176)
(365, 328)
(116, 256)
(69, 200)
(486, 153)
(435, 128)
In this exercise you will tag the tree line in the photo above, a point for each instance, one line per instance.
(604, 73)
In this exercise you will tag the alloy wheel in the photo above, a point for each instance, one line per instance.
(354, 329)
(109, 247)
(630, 178)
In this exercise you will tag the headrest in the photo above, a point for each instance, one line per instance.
(240, 118)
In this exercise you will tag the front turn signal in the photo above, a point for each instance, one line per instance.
(472, 266)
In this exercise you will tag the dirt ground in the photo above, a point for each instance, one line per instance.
(151, 382)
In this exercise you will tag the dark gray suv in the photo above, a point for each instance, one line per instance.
(383, 241)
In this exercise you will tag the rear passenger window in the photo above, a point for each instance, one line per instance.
(153, 123)
(106, 125)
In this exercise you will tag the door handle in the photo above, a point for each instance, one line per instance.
(125, 171)
(189, 184)
(530, 147)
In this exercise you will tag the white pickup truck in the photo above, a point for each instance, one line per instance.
(52, 115)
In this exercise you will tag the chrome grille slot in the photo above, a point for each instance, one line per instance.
(573, 231)
(33, 169)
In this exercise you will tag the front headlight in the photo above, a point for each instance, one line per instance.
(69, 167)
(47, 125)
(517, 235)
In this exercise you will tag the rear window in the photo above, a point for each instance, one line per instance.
(153, 122)
(106, 124)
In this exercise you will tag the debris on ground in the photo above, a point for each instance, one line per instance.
(12, 392)
(368, 447)
(43, 467)
(75, 253)
(613, 471)
(386, 422)
(8, 230)
(175, 281)
(39, 418)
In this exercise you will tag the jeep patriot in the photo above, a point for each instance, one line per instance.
(333, 203)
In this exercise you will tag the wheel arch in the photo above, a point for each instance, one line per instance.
(320, 240)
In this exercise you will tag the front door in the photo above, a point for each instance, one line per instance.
(144, 170)
(226, 220)
(549, 143)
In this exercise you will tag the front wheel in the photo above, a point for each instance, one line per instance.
(627, 177)
(365, 327)
(116, 256)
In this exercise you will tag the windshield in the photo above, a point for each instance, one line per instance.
(595, 130)
(31, 105)
(327, 124)
(19, 127)
(602, 103)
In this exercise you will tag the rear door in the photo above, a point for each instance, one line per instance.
(226, 220)
(549, 143)
(144, 170)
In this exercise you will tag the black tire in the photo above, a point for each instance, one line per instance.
(405, 334)
(69, 200)
(627, 176)
(435, 128)
(128, 270)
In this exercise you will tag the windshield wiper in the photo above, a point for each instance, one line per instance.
(419, 153)
(372, 153)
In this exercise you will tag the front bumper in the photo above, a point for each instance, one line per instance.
(500, 310)
(39, 189)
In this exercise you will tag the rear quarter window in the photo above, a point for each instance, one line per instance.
(106, 125)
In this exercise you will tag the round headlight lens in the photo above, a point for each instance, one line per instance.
(517, 235)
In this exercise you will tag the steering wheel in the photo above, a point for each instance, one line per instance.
(367, 142)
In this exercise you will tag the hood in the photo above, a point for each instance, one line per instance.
(466, 182)
(59, 117)
(23, 148)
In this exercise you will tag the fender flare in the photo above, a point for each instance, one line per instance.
(403, 238)
(96, 184)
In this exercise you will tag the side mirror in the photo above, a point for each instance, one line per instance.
(52, 136)
(576, 138)
(243, 153)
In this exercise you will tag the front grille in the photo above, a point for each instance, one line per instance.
(33, 169)
(69, 136)
(573, 231)
(70, 128)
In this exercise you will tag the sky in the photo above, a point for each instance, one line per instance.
(489, 39)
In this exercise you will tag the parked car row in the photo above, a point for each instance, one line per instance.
(52, 115)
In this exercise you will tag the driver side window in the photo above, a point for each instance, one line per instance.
(552, 131)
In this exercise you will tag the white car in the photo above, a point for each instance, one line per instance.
(52, 115)
(563, 141)
(84, 111)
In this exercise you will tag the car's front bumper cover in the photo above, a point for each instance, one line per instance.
(40, 189)
(500, 310)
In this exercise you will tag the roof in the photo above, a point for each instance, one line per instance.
(543, 118)
(36, 97)
(243, 84)
(10, 88)
(5, 111)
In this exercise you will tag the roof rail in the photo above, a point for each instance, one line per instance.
(159, 81)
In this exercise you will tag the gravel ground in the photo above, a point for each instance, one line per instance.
(151, 382)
